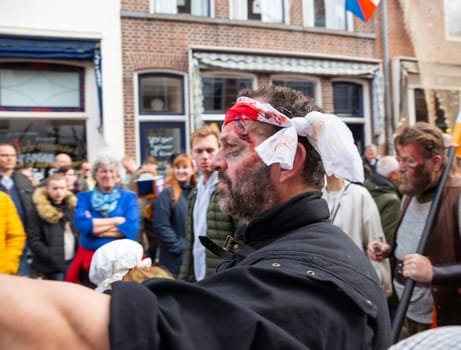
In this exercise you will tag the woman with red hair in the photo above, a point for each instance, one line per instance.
(170, 212)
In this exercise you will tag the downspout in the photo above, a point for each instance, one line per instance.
(387, 88)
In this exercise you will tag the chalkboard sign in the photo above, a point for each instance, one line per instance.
(162, 141)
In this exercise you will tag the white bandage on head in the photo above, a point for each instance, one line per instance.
(331, 138)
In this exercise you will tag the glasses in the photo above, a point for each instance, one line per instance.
(12, 155)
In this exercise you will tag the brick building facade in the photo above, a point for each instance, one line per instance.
(226, 51)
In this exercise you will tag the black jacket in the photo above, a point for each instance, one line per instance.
(46, 232)
(25, 190)
(308, 286)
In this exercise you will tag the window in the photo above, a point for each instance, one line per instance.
(271, 11)
(27, 86)
(347, 99)
(306, 87)
(329, 14)
(452, 20)
(191, 7)
(219, 93)
(348, 105)
(161, 93)
(39, 140)
(421, 111)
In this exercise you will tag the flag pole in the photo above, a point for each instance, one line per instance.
(410, 284)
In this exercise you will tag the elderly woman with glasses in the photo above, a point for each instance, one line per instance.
(102, 215)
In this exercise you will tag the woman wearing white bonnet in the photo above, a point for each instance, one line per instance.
(113, 261)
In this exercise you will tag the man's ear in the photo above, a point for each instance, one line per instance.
(298, 164)
(437, 163)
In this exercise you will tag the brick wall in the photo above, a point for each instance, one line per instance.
(162, 42)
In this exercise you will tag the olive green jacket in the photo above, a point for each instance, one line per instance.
(219, 226)
(387, 199)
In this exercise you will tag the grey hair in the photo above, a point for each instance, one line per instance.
(387, 165)
(105, 160)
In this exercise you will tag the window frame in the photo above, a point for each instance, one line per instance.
(236, 13)
(47, 66)
(159, 118)
(219, 117)
(188, 5)
(309, 16)
(365, 120)
(160, 74)
(311, 79)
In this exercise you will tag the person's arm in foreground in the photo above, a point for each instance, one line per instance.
(51, 315)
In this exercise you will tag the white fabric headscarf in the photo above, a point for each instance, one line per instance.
(330, 137)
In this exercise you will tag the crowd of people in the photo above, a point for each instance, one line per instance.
(272, 233)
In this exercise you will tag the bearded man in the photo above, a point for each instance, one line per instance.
(291, 279)
(421, 154)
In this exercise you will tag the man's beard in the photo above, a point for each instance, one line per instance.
(250, 193)
(416, 184)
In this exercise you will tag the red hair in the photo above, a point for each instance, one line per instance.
(170, 181)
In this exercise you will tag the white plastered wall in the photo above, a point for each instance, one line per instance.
(83, 19)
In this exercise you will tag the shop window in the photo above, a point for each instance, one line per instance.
(329, 14)
(191, 7)
(39, 140)
(27, 86)
(271, 11)
(306, 87)
(220, 93)
(161, 94)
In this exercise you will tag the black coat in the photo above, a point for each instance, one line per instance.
(25, 190)
(308, 286)
(46, 232)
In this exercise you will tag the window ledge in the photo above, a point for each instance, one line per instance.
(46, 115)
(246, 23)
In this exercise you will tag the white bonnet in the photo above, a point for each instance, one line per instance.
(113, 260)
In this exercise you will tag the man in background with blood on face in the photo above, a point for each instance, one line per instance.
(291, 280)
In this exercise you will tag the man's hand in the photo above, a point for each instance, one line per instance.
(378, 251)
(418, 268)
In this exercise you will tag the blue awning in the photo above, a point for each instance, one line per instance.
(278, 64)
(56, 48)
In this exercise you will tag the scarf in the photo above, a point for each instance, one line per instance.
(105, 203)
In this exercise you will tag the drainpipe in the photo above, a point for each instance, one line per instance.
(387, 89)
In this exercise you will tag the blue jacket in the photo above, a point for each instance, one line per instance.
(127, 206)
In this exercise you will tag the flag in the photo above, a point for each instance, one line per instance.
(456, 135)
(363, 9)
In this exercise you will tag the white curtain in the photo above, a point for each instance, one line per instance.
(165, 6)
(335, 13)
(240, 9)
(308, 13)
(271, 11)
(199, 7)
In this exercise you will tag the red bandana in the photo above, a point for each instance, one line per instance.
(248, 109)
